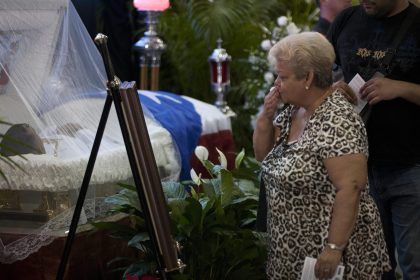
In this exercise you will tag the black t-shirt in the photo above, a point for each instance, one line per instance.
(360, 42)
(322, 26)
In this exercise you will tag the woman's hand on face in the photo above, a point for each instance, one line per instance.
(271, 103)
(327, 263)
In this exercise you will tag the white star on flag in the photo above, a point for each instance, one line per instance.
(153, 95)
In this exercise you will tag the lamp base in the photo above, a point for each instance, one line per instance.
(222, 104)
(225, 109)
(150, 48)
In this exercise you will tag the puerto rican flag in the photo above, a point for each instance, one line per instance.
(191, 122)
(180, 118)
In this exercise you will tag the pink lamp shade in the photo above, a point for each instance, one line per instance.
(151, 5)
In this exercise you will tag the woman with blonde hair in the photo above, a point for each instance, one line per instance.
(314, 166)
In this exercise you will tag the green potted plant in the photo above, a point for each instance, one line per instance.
(213, 220)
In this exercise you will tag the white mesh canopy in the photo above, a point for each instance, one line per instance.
(52, 78)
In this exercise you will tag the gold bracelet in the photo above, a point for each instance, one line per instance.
(333, 246)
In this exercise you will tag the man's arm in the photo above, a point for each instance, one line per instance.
(378, 89)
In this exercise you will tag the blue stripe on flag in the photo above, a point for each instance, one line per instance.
(179, 117)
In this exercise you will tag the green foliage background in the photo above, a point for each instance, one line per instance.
(190, 29)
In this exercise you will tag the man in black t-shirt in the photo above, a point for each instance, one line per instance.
(328, 10)
(362, 37)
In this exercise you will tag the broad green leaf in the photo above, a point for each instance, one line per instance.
(117, 230)
(209, 188)
(206, 204)
(209, 166)
(216, 169)
(247, 221)
(226, 186)
(178, 205)
(220, 212)
(137, 239)
(138, 269)
(216, 186)
(194, 194)
(127, 186)
(137, 220)
(174, 190)
(239, 158)
(117, 199)
(125, 196)
(193, 212)
(247, 186)
(224, 231)
(243, 199)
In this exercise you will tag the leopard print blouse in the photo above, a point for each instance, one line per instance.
(300, 196)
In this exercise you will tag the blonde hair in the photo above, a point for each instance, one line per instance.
(305, 52)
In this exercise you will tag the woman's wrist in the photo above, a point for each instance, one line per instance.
(335, 247)
(265, 120)
(267, 115)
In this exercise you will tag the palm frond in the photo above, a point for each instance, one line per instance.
(12, 163)
(219, 18)
(2, 175)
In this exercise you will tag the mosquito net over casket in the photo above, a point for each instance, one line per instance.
(52, 79)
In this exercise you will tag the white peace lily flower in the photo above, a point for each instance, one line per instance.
(282, 21)
(222, 159)
(292, 28)
(252, 59)
(268, 77)
(195, 178)
(261, 94)
(266, 45)
(201, 153)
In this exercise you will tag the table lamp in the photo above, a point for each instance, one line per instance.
(150, 46)
(219, 62)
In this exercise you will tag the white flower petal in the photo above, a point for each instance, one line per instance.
(282, 21)
(266, 45)
(201, 153)
(252, 59)
(292, 28)
(194, 177)
(268, 77)
(261, 94)
(222, 159)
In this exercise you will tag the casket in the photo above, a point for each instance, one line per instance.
(52, 78)
(29, 201)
